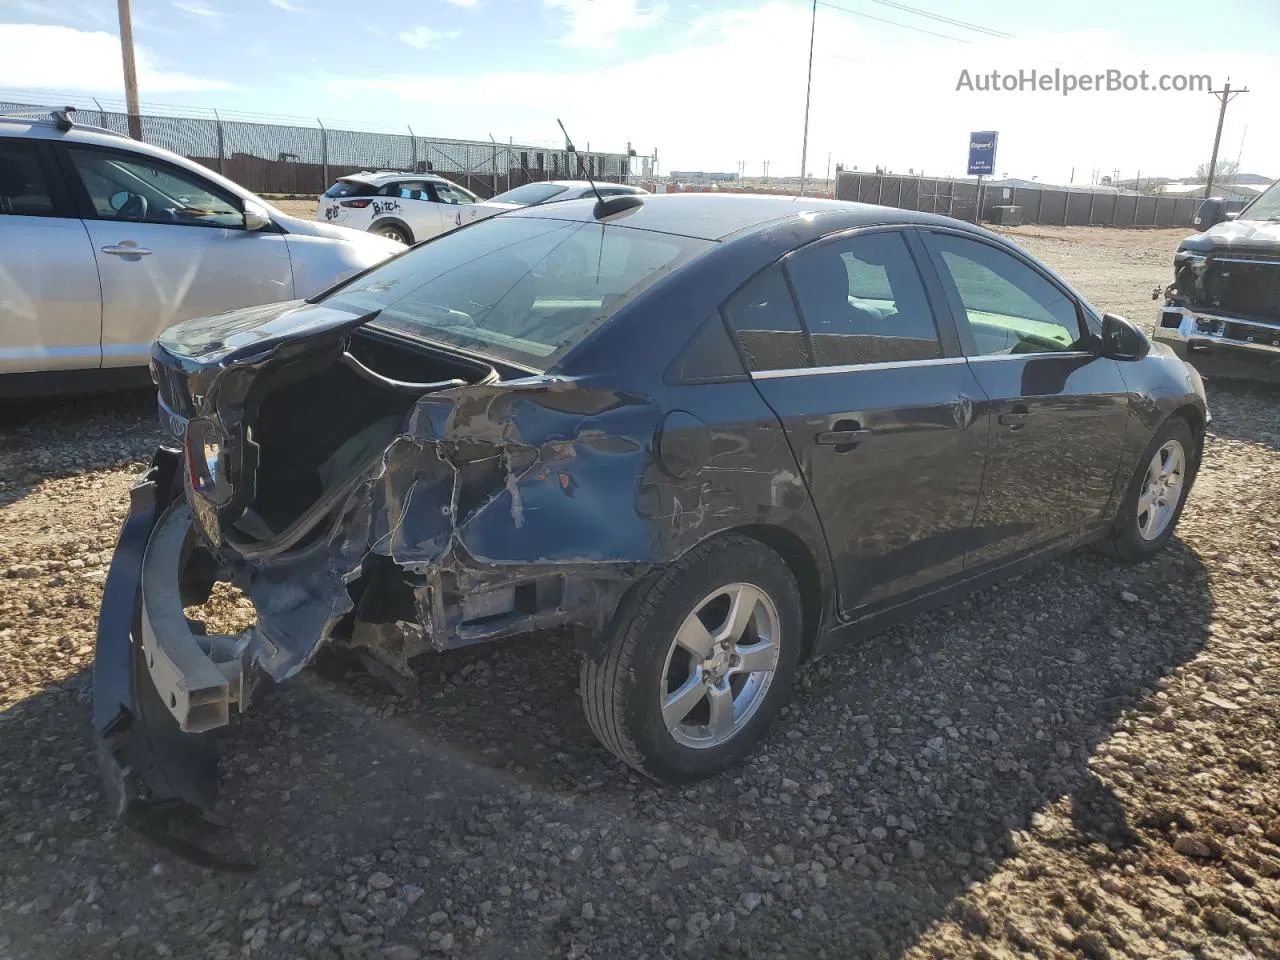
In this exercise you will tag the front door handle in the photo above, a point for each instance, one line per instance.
(126, 248)
(846, 435)
(1016, 418)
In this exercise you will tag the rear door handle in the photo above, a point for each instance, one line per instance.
(125, 248)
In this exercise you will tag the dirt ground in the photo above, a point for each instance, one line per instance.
(1081, 762)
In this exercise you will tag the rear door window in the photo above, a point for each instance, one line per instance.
(24, 188)
(863, 301)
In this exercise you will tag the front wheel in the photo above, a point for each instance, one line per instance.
(698, 663)
(1156, 494)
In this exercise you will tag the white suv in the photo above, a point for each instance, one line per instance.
(105, 241)
(407, 207)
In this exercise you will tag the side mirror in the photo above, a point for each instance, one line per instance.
(1122, 340)
(118, 199)
(255, 216)
(1212, 212)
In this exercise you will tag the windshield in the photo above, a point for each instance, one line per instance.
(523, 289)
(530, 194)
(1266, 206)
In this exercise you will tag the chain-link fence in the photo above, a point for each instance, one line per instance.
(280, 158)
(1046, 205)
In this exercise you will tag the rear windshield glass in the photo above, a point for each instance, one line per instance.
(530, 194)
(523, 290)
(351, 188)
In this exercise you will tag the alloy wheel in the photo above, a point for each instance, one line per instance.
(1161, 489)
(720, 664)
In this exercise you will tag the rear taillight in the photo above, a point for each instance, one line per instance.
(358, 204)
(206, 468)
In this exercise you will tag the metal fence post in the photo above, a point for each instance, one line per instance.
(1040, 205)
(324, 156)
(1093, 196)
(413, 150)
(221, 158)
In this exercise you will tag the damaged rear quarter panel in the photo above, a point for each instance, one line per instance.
(556, 476)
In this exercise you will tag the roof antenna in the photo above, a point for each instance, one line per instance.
(62, 118)
(604, 206)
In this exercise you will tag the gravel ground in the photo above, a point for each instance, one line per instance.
(1078, 762)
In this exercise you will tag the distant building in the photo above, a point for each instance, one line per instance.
(1230, 191)
(702, 176)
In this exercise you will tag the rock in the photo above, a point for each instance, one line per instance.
(1190, 845)
(915, 849)
(1128, 597)
(402, 951)
(287, 891)
(380, 881)
(749, 901)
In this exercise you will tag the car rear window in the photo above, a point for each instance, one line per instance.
(524, 290)
(351, 188)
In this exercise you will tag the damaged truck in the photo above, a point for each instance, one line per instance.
(1222, 311)
(704, 436)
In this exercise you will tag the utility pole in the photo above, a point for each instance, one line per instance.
(1224, 97)
(808, 87)
(130, 74)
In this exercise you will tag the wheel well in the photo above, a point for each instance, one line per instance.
(799, 559)
(1195, 420)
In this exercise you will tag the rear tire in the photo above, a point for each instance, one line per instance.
(678, 715)
(1153, 501)
(393, 231)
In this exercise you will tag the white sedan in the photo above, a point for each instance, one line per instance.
(407, 207)
(413, 206)
(548, 191)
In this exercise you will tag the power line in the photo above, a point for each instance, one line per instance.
(892, 23)
(941, 19)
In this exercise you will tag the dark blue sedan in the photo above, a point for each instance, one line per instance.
(708, 436)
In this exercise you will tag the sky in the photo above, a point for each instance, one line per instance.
(708, 85)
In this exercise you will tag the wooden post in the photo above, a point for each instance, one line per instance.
(130, 72)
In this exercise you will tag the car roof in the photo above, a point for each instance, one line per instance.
(379, 177)
(586, 184)
(717, 216)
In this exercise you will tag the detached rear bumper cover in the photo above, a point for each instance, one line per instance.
(147, 759)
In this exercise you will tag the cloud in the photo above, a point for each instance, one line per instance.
(424, 37)
(596, 24)
(287, 7)
(39, 57)
(197, 9)
(463, 3)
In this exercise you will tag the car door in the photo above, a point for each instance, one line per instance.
(170, 245)
(1057, 410)
(456, 206)
(50, 304)
(877, 403)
